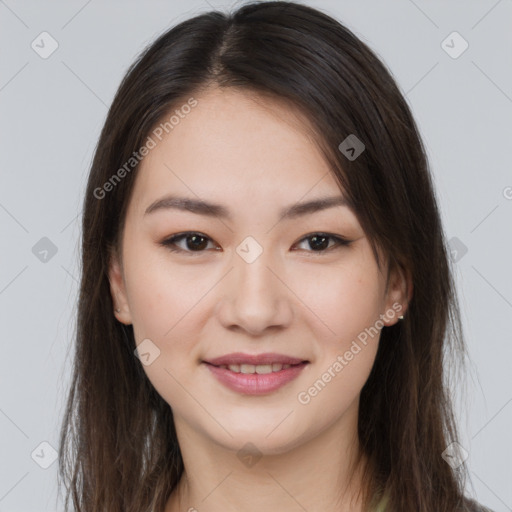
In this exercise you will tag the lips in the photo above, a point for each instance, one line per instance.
(239, 358)
(255, 374)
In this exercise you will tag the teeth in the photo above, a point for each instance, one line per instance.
(247, 368)
(258, 368)
(264, 368)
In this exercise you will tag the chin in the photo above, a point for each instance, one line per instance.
(261, 437)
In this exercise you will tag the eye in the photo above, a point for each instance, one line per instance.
(196, 242)
(319, 242)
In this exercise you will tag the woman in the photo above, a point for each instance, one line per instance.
(266, 296)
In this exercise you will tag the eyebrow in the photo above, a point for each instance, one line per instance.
(202, 207)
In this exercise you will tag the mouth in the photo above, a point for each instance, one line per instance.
(260, 369)
(239, 362)
(255, 374)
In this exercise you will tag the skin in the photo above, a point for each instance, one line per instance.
(254, 156)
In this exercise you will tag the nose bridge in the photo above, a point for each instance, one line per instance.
(255, 298)
(253, 263)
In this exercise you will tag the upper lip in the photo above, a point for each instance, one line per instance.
(241, 358)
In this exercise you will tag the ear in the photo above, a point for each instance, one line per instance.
(398, 294)
(118, 289)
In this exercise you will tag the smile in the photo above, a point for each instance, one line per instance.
(249, 379)
(260, 369)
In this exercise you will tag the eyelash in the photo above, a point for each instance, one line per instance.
(170, 243)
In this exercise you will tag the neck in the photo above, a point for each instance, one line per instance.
(315, 475)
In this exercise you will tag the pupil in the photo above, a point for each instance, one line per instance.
(322, 244)
(194, 245)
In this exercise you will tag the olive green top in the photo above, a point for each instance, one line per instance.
(381, 506)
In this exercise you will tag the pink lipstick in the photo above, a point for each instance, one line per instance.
(255, 374)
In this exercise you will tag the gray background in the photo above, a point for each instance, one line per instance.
(52, 111)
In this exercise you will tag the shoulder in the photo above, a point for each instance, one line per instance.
(473, 506)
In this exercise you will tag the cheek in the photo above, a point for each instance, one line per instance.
(350, 306)
(170, 306)
(162, 298)
(346, 299)
(164, 307)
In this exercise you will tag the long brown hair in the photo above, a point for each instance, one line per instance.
(118, 446)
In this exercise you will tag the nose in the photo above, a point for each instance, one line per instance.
(255, 296)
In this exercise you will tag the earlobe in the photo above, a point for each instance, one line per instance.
(118, 291)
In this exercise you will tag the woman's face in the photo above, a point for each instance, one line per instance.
(252, 281)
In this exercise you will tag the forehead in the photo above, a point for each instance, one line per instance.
(236, 143)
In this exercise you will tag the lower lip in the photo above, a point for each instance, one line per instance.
(255, 383)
